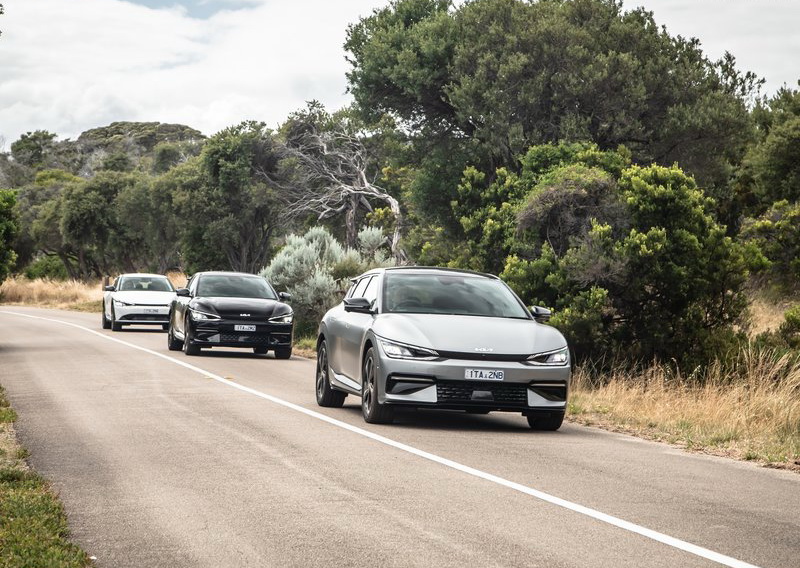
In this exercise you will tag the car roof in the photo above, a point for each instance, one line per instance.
(429, 270)
(141, 274)
(224, 273)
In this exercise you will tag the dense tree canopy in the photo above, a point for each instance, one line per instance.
(510, 74)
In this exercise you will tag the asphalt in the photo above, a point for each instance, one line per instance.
(163, 465)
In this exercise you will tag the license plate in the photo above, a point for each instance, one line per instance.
(150, 311)
(244, 328)
(484, 374)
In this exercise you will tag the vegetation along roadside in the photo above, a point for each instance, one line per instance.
(33, 526)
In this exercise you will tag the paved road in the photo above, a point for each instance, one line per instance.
(231, 463)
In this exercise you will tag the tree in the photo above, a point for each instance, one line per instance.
(230, 212)
(509, 74)
(329, 174)
(8, 231)
(667, 284)
(771, 169)
(33, 148)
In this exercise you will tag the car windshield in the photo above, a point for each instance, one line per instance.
(450, 293)
(232, 286)
(145, 284)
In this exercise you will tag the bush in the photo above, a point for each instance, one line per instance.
(777, 235)
(51, 267)
(315, 269)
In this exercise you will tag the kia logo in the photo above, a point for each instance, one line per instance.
(484, 349)
(244, 315)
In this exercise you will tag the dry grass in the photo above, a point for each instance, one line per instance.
(755, 416)
(767, 311)
(50, 293)
(69, 294)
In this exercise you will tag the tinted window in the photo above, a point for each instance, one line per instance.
(145, 284)
(233, 286)
(450, 293)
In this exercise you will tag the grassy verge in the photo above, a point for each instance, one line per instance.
(33, 526)
(755, 416)
(70, 294)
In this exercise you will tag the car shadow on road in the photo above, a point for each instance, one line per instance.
(454, 420)
(233, 354)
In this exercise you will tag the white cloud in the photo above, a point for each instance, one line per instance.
(69, 66)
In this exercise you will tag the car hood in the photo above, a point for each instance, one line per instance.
(255, 308)
(469, 334)
(144, 298)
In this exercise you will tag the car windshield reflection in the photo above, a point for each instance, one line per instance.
(451, 294)
(226, 286)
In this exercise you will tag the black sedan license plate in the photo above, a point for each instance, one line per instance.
(244, 328)
(484, 374)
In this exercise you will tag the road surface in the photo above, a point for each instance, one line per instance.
(226, 460)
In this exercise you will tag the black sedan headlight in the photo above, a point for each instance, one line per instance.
(197, 315)
(285, 318)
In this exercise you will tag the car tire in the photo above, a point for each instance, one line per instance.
(172, 343)
(260, 350)
(326, 396)
(374, 412)
(106, 323)
(165, 326)
(545, 421)
(283, 353)
(189, 347)
(115, 325)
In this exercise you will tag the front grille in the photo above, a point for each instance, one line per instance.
(504, 393)
(260, 338)
(244, 337)
(481, 356)
(145, 317)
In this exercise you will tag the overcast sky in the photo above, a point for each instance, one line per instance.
(70, 65)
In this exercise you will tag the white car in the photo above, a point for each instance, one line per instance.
(137, 299)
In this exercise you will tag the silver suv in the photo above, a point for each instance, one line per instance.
(440, 338)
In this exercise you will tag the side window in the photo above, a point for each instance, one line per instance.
(371, 292)
(358, 289)
(192, 284)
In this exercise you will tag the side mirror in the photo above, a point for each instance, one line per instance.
(285, 296)
(540, 314)
(108, 289)
(183, 292)
(359, 305)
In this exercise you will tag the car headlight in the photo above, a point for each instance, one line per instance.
(404, 351)
(285, 318)
(557, 357)
(120, 303)
(197, 315)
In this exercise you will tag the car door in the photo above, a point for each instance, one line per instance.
(181, 305)
(356, 325)
(337, 332)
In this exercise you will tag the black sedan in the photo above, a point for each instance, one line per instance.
(230, 309)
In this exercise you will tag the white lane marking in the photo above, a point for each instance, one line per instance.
(594, 514)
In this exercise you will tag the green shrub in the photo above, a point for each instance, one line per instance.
(51, 267)
(315, 269)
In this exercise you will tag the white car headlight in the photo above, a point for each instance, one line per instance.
(202, 316)
(404, 351)
(557, 357)
(120, 303)
(285, 318)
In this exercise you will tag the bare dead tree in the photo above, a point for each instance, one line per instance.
(328, 177)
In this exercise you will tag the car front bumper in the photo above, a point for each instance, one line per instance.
(223, 333)
(141, 314)
(441, 383)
